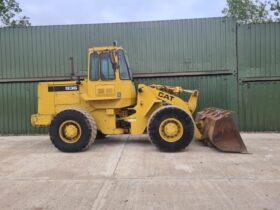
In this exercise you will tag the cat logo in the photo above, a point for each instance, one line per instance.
(165, 96)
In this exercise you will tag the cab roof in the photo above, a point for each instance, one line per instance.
(104, 48)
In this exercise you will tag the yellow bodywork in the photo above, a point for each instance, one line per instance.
(110, 102)
(150, 98)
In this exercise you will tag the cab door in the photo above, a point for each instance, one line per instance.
(102, 77)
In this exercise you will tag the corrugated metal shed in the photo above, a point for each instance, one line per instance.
(233, 67)
(18, 102)
(259, 50)
(156, 46)
(259, 76)
(259, 106)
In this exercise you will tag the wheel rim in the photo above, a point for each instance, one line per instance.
(70, 131)
(171, 130)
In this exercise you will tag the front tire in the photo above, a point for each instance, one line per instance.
(72, 130)
(170, 129)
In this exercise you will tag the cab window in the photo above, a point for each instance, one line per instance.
(94, 67)
(107, 71)
(124, 72)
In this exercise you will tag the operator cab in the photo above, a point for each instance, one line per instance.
(109, 76)
(104, 65)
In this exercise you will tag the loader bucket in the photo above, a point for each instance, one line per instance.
(218, 130)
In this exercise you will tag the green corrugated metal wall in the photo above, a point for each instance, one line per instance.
(18, 102)
(157, 46)
(205, 46)
(260, 106)
(259, 76)
(259, 50)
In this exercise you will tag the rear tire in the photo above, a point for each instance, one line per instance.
(72, 130)
(170, 129)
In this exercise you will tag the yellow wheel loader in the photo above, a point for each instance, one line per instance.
(107, 103)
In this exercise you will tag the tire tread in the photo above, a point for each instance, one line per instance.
(153, 133)
(89, 121)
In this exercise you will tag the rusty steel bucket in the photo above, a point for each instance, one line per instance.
(219, 130)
